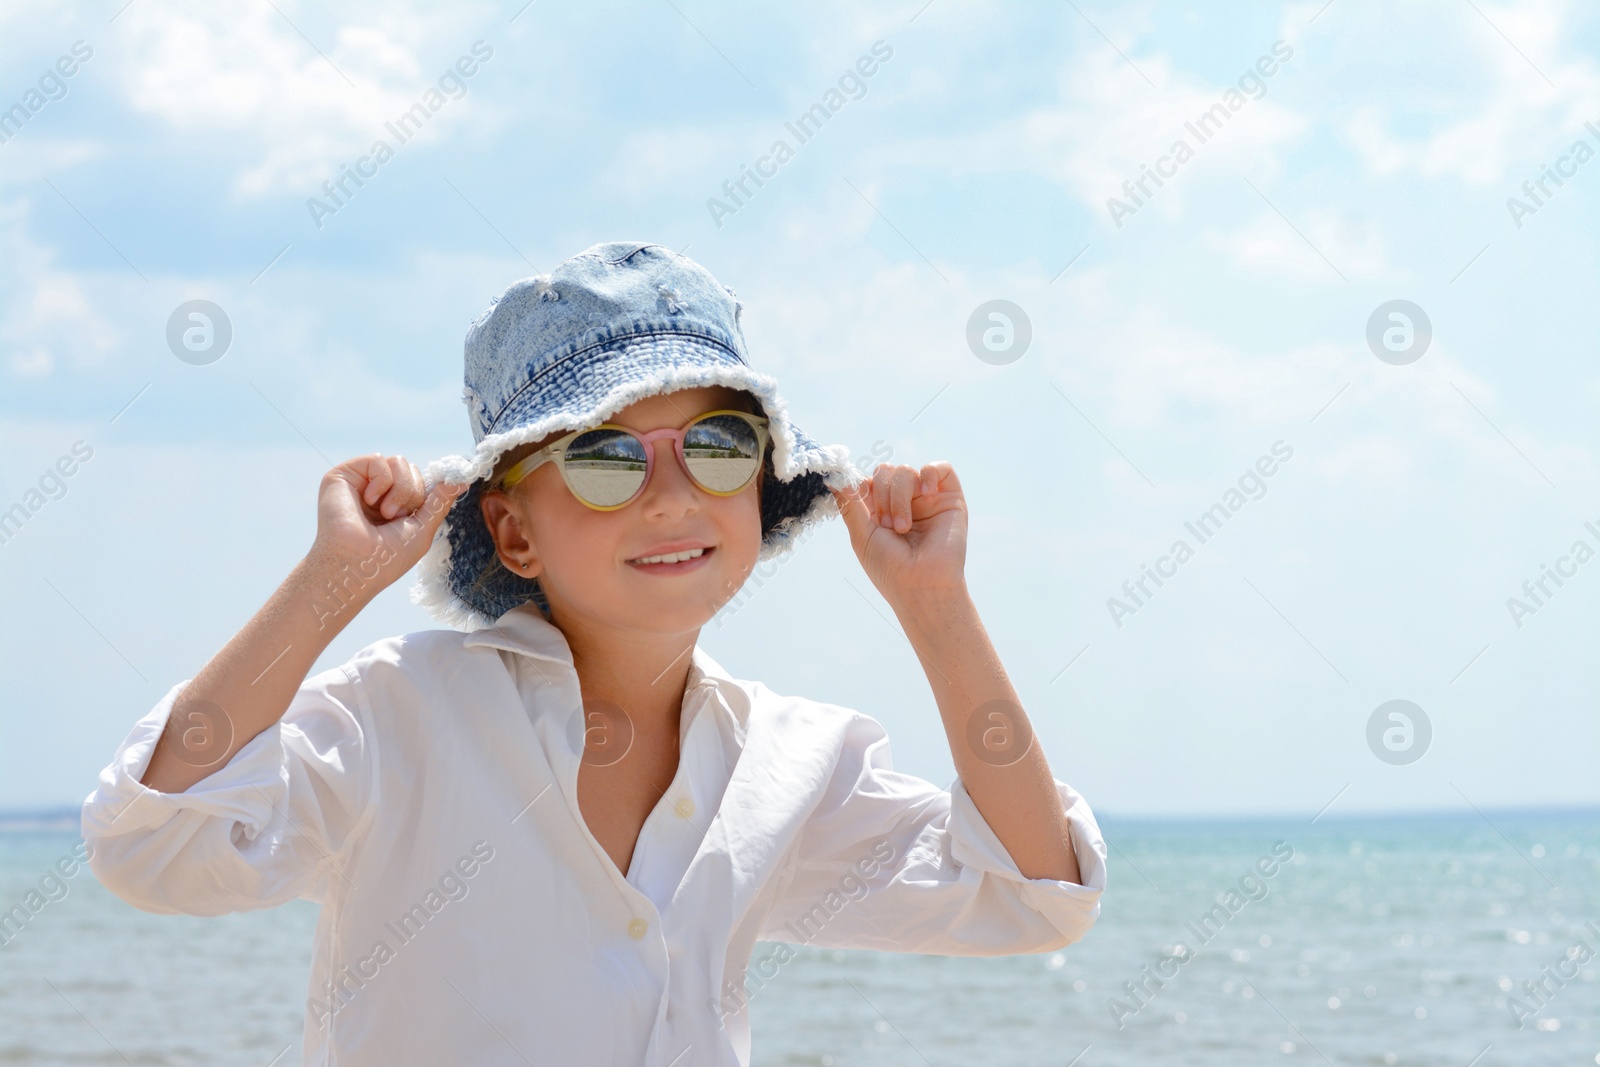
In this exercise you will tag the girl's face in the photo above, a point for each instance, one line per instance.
(587, 561)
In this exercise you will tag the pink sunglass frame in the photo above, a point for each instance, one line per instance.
(556, 451)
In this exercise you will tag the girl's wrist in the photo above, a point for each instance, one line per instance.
(926, 602)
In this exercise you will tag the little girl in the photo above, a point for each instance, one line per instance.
(554, 835)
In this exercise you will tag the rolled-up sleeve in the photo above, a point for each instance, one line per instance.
(889, 861)
(270, 825)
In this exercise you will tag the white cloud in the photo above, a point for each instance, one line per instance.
(1269, 245)
(1107, 124)
(650, 161)
(29, 158)
(1506, 114)
(1379, 458)
(36, 363)
(46, 316)
(248, 75)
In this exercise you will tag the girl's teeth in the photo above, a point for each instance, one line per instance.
(673, 557)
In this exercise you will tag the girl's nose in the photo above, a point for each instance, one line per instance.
(670, 488)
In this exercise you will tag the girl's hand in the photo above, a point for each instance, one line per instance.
(373, 514)
(909, 530)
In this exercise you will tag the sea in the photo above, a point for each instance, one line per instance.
(1425, 940)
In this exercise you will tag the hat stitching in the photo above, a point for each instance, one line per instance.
(604, 342)
(630, 255)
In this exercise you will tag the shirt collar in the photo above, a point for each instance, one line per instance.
(525, 630)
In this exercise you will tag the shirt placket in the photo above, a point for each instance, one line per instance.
(644, 915)
(668, 840)
(672, 831)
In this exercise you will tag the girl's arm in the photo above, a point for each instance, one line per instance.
(374, 522)
(908, 529)
(1003, 768)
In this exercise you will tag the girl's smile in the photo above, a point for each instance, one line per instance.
(674, 558)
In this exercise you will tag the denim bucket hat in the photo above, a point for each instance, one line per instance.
(614, 324)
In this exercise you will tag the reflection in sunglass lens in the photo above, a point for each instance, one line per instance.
(605, 467)
(722, 452)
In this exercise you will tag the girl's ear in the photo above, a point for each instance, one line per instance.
(512, 540)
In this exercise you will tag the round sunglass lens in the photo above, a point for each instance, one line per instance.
(722, 452)
(605, 467)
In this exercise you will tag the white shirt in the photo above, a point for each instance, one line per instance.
(425, 794)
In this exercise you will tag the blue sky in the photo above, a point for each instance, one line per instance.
(1228, 313)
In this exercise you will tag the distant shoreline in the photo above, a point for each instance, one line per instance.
(40, 819)
(1587, 811)
(67, 819)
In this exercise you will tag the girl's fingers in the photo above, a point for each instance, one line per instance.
(390, 485)
(406, 493)
(882, 477)
(388, 503)
(411, 480)
(438, 501)
(937, 479)
(898, 491)
(419, 491)
(854, 508)
(869, 504)
(903, 488)
(377, 474)
(860, 507)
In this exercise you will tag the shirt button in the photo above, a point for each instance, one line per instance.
(684, 807)
(637, 928)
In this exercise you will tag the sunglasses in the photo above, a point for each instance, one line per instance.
(608, 466)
